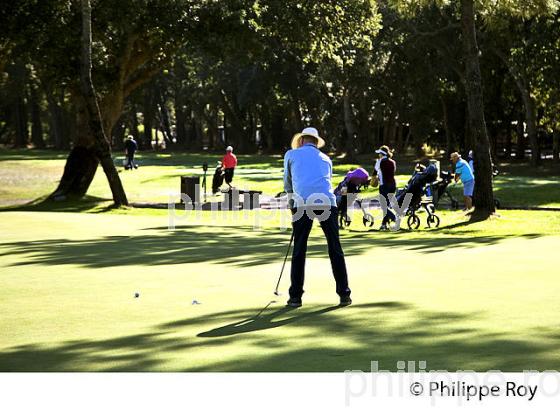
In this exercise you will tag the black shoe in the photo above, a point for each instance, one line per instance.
(345, 301)
(294, 302)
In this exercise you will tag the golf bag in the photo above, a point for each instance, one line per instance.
(422, 187)
(352, 183)
(218, 178)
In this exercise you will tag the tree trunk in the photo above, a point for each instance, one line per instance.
(101, 149)
(148, 114)
(556, 146)
(521, 78)
(520, 146)
(508, 131)
(164, 116)
(55, 127)
(134, 124)
(119, 134)
(365, 127)
(349, 126)
(275, 135)
(296, 114)
(483, 196)
(36, 123)
(180, 119)
(233, 123)
(79, 171)
(20, 122)
(448, 137)
(531, 120)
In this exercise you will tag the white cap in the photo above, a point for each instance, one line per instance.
(229, 148)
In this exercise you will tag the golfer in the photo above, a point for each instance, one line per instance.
(307, 180)
(229, 162)
(384, 170)
(464, 172)
(130, 148)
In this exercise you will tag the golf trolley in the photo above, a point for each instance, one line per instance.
(426, 191)
(413, 220)
(345, 221)
(346, 194)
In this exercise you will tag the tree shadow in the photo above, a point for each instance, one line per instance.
(89, 203)
(325, 339)
(25, 154)
(236, 245)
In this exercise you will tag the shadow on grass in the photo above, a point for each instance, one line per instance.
(20, 154)
(236, 245)
(324, 339)
(89, 203)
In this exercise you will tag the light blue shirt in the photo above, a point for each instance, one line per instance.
(463, 169)
(307, 171)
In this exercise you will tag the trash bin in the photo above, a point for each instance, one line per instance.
(251, 199)
(190, 186)
(231, 200)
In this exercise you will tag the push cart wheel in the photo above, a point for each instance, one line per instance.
(413, 221)
(368, 220)
(433, 221)
(344, 221)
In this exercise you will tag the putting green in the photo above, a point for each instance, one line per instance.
(480, 296)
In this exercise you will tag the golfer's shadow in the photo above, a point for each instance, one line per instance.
(262, 322)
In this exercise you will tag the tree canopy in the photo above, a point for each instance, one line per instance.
(189, 74)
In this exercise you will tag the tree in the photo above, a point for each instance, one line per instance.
(484, 196)
(102, 148)
(134, 40)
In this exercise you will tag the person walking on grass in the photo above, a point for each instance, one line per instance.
(384, 171)
(464, 172)
(229, 162)
(130, 148)
(307, 180)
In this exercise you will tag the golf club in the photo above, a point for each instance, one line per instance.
(284, 264)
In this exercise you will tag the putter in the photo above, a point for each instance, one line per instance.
(284, 264)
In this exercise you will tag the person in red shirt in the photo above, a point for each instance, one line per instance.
(229, 162)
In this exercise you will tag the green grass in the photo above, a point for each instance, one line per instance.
(465, 296)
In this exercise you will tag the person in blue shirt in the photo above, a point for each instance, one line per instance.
(307, 180)
(464, 172)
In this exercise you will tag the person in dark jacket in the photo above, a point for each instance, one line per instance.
(385, 169)
(130, 148)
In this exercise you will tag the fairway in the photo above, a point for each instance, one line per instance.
(478, 296)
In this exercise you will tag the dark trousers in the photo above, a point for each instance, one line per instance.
(228, 175)
(302, 227)
(130, 161)
(384, 191)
